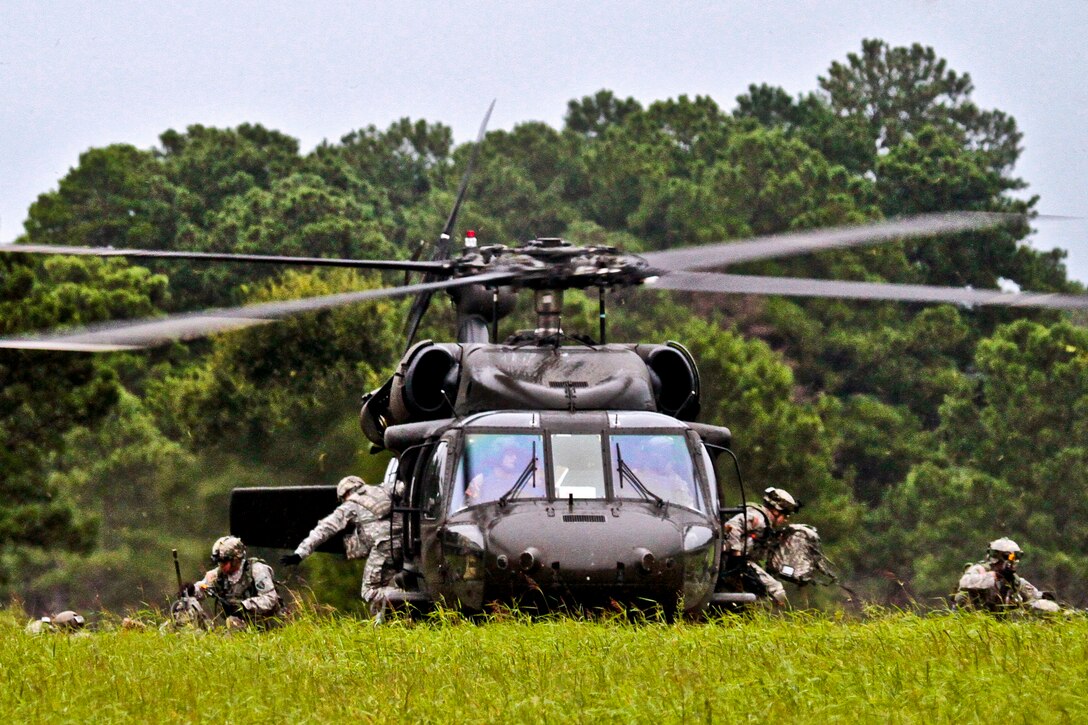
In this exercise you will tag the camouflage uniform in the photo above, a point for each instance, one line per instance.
(797, 556)
(994, 585)
(248, 594)
(243, 587)
(187, 612)
(981, 587)
(745, 552)
(364, 517)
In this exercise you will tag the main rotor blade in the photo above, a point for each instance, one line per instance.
(442, 247)
(799, 287)
(712, 256)
(435, 268)
(130, 335)
(452, 219)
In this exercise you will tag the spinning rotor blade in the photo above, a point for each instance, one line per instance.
(712, 256)
(442, 248)
(130, 335)
(799, 287)
(452, 218)
(435, 268)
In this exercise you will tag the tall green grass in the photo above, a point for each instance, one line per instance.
(888, 668)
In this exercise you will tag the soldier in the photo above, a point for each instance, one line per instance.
(244, 587)
(995, 586)
(364, 516)
(749, 540)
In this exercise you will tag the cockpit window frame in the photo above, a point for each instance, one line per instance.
(459, 451)
(438, 507)
(458, 443)
(702, 503)
(553, 490)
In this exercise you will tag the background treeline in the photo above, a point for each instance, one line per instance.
(914, 433)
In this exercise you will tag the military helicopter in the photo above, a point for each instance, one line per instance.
(548, 466)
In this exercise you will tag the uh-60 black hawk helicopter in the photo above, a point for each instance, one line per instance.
(547, 467)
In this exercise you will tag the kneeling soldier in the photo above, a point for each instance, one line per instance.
(243, 587)
(995, 586)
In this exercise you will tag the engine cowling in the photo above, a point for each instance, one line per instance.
(675, 378)
(424, 387)
(436, 381)
(425, 383)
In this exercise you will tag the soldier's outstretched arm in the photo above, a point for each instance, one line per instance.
(326, 528)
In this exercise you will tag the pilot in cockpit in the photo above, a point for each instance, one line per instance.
(495, 474)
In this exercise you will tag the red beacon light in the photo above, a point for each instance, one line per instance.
(470, 239)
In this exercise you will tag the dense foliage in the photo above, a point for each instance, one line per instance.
(915, 434)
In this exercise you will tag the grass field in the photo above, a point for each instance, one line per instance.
(799, 668)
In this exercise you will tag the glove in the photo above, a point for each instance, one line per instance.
(290, 559)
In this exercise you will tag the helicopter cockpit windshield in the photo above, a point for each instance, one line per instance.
(577, 465)
(505, 467)
(493, 466)
(654, 466)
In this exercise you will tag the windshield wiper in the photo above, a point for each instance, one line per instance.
(625, 471)
(526, 473)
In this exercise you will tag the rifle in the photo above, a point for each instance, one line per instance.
(177, 572)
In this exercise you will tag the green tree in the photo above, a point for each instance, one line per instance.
(591, 115)
(401, 161)
(1015, 449)
(43, 395)
(116, 196)
(213, 164)
(842, 139)
(899, 90)
(876, 444)
(924, 533)
(288, 378)
(299, 215)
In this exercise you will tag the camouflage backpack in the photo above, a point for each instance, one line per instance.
(797, 556)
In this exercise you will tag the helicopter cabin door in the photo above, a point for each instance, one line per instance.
(428, 486)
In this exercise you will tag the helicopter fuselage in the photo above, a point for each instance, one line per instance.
(551, 506)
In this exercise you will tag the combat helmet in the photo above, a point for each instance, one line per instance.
(1004, 549)
(67, 620)
(348, 485)
(228, 548)
(780, 500)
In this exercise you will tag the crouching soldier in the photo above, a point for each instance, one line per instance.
(243, 587)
(749, 538)
(364, 516)
(994, 585)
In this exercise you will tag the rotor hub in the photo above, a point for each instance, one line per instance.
(556, 264)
